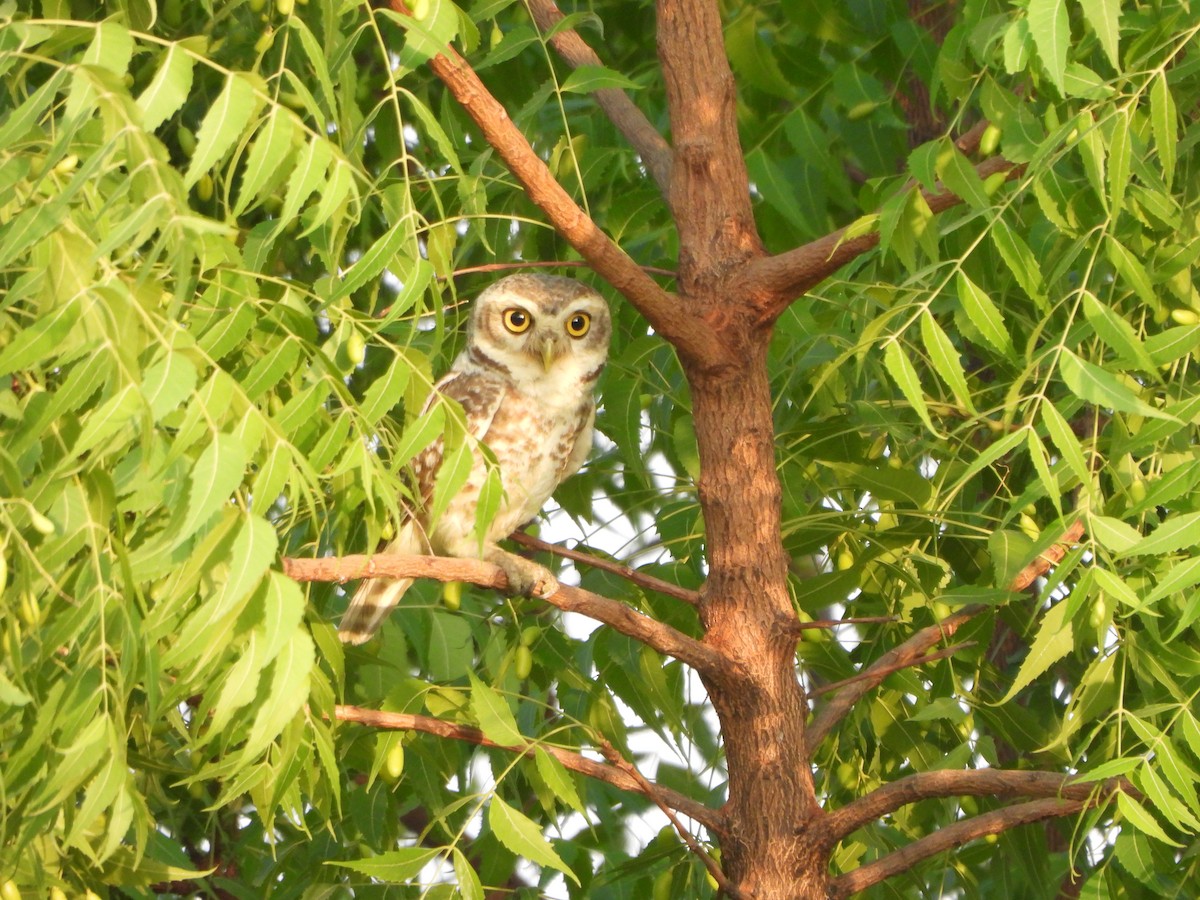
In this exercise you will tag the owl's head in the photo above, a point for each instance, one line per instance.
(541, 325)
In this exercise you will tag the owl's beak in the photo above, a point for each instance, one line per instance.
(550, 351)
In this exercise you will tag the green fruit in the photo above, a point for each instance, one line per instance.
(393, 765)
(285, 7)
(523, 662)
(10, 891)
(204, 187)
(1029, 527)
(1185, 316)
(40, 523)
(845, 560)
(452, 595)
(989, 141)
(662, 886)
(356, 348)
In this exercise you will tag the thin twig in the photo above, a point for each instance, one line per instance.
(621, 111)
(883, 673)
(652, 791)
(628, 621)
(632, 575)
(516, 265)
(840, 704)
(617, 777)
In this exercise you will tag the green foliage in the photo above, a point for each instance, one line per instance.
(224, 234)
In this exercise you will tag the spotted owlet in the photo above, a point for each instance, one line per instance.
(536, 345)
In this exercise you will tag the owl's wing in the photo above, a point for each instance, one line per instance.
(582, 443)
(480, 397)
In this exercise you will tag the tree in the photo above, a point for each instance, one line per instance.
(901, 414)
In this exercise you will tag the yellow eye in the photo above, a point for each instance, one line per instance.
(578, 325)
(517, 320)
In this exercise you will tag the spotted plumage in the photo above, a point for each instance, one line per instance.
(536, 345)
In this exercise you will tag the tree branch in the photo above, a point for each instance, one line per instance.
(624, 619)
(621, 111)
(710, 187)
(714, 868)
(784, 278)
(1001, 783)
(631, 575)
(915, 647)
(948, 838)
(709, 818)
(690, 337)
(861, 676)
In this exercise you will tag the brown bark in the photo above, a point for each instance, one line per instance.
(775, 838)
(616, 776)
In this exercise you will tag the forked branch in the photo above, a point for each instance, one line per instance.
(785, 277)
(616, 615)
(690, 337)
(617, 777)
(916, 646)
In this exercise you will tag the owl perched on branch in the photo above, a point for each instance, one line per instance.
(536, 345)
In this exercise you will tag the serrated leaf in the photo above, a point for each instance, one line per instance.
(452, 474)
(111, 48)
(224, 122)
(385, 392)
(307, 175)
(172, 83)
(587, 78)
(469, 886)
(492, 714)
(1131, 270)
(217, 473)
(521, 835)
(1139, 818)
(393, 867)
(336, 191)
(1113, 534)
(451, 649)
(558, 779)
(1041, 464)
(946, 360)
(238, 689)
(1054, 640)
(271, 150)
(376, 258)
(1163, 801)
(286, 692)
(1064, 439)
(1179, 577)
(1115, 331)
(1051, 36)
(1019, 259)
(1163, 117)
(1177, 532)
(1120, 150)
(1104, 18)
(984, 315)
(167, 383)
(896, 361)
(1091, 383)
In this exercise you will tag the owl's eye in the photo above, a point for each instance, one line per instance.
(517, 320)
(578, 325)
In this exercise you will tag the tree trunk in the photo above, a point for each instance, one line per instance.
(771, 848)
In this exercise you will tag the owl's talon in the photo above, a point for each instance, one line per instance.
(525, 578)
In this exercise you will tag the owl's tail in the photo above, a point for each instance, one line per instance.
(376, 597)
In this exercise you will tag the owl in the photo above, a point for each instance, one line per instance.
(536, 345)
